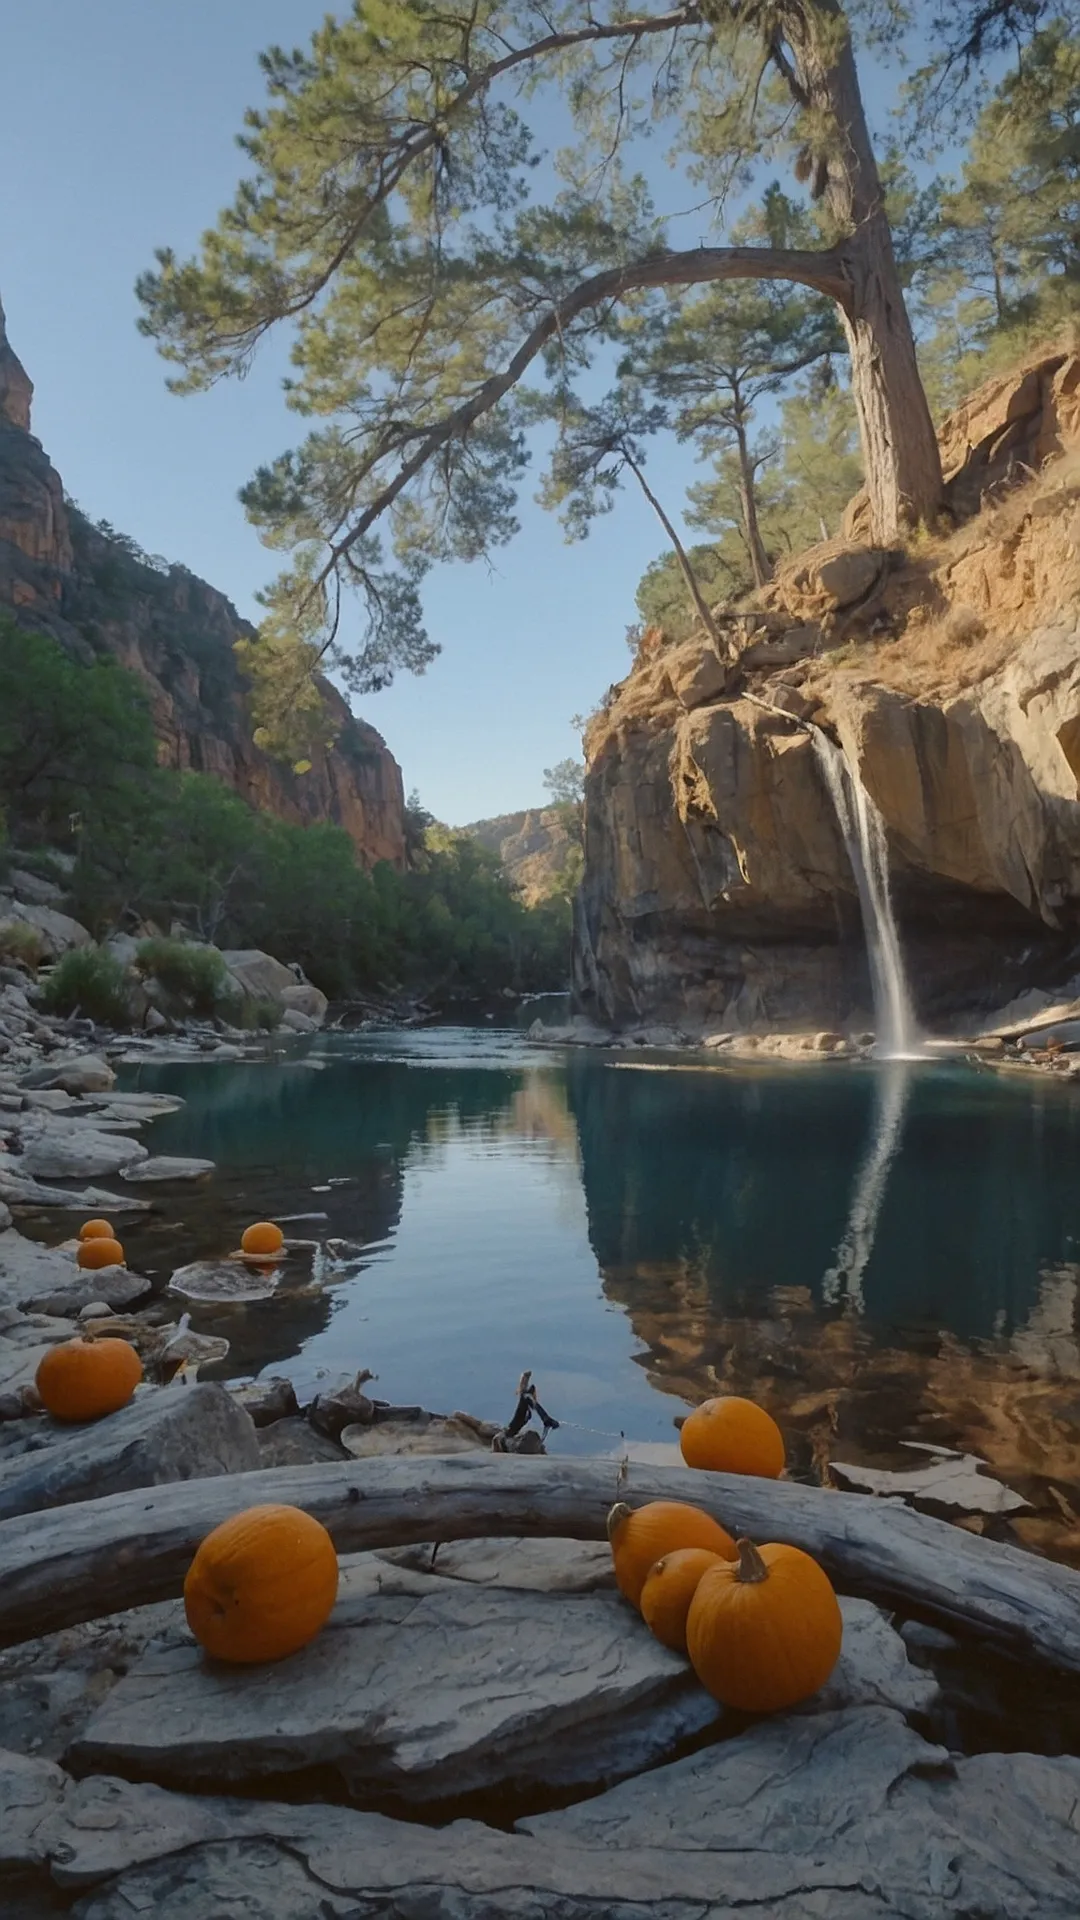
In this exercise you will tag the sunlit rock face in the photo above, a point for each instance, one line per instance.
(718, 888)
(61, 574)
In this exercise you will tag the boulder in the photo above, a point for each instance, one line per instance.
(292, 1443)
(419, 1687)
(76, 1153)
(306, 1000)
(258, 974)
(59, 932)
(166, 1433)
(30, 886)
(697, 674)
(294, 1021)
(88, 1073)
(113, 1286)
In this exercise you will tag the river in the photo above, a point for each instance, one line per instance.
(881, 1253)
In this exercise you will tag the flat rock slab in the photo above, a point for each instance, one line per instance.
(77, 1152)
(164, 1434)
(165, 1166)
(427, 1694)
(137, 1106)
(19, 1190)
(905, 1834)
(226, 1280)
(534, 1566)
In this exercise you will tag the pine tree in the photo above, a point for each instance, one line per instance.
(391, 215)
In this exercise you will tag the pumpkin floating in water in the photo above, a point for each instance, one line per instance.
(639, 1539)
(96, 1230)
(262, 1238)
(87, 1378)
(669, 1588)
(729, 1435)
(261, 1585)
(765, 1633)
(100, 1251)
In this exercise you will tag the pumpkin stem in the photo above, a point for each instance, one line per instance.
(619, 1512)
(751, 1569)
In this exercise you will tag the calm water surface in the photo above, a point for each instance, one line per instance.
(878, 1253)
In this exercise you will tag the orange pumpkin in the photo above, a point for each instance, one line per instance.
(99, 1251)
(86, 1378)
(96, 1230)
(669, 1588)
(729, 1435)
(765, 1633)
(263, 1238)
(639, 1539)
(261, 1585)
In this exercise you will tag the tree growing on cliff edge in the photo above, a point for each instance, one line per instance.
(390, 214)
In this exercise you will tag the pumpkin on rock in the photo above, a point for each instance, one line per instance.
(639, 1539)
(765, 1633)
(99, 1251)
(731, 1435)
(261, 1585)
(87, 1378)
(263, 1238)
(96, 1230)
(669, 1588)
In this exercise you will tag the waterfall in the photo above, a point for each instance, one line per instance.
(864, 836)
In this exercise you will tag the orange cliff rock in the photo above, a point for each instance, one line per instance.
(60, 574)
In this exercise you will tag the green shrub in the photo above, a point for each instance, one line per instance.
(90, 981)
(22, 945)
(256, 1016)
(196, 977)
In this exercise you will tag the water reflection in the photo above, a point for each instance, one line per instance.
(877, 1254)
(844, 1279)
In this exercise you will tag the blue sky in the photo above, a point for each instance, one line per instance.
(117, 136)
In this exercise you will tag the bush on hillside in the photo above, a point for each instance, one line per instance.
(89, 981)
(78, 767)
(22, 945)
(196, 977)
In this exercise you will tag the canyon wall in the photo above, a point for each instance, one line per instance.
(95, 593)
(718, 891)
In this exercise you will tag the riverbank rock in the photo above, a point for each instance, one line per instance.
(847, 1817)
(164, 1167)
(169, 1433)
(259, 975)
(114, 1287)
(88, 1073)
(424, 1689)
(76, 1152)
(306, 1000)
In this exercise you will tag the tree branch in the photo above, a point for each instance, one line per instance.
(825, 272)
(392, 172)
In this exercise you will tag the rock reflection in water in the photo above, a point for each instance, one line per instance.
(938, 1317)
(876, 1254)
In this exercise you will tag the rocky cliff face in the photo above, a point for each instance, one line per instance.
(535, 847)
(96, 594)
(718, 890)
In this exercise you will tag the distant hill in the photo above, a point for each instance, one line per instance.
(536, 848)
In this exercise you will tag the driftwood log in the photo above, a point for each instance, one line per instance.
(77, 1563)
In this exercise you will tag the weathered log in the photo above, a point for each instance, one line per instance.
(57, 1569)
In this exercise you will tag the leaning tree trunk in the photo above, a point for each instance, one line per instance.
(755, 546)
(900, 451)
(690, 578)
